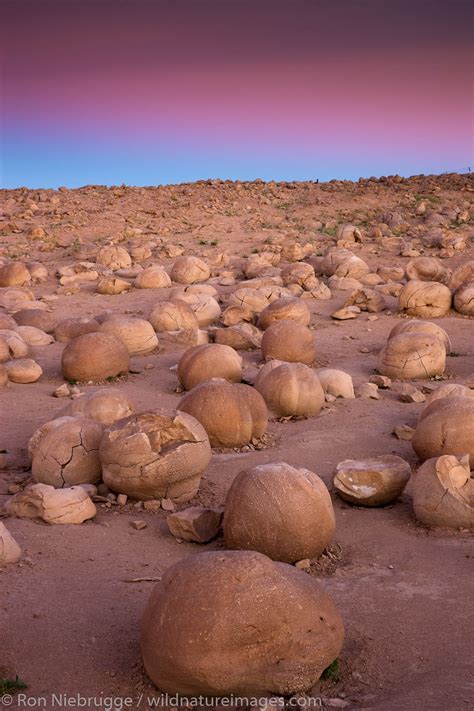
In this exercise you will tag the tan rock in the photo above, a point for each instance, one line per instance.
(280, 511)
(154, 277)
(17, 348)
(110, 285)
(368, 390)
(242, 336)
(371, 482)
(336, 382)
(251, 636)
(416, 326)
(367, 300)
(71, 328)
(137, 334)
(189, 270)
(196, 524)
(34, 336)
(94, 356)
(347, 312)
(172, 316)
(290, 309)
(104, 406)
(205, 307)
(464, 299)
(10, 551)
(445, 426)
(291, 390)
(14, 274)
(289, 341)
(231, 414)
(57, 506)
(443, 492)
(23, 370)
(428, 299)
(114, 257)
(209, 361)
(411, 355)
(427, 269)
(154, 455)
(68, 453)
(39, 318)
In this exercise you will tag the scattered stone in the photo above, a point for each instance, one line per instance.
(56, 506)
(410, 393)
(152, 505)
(382, 381)
(372, 482)
(138, 525)
(10, 551)
(196, 524)
(346, 312)
(368, 390)
(404, 432)
(167, 505)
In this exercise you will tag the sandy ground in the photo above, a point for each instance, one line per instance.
(69, 618)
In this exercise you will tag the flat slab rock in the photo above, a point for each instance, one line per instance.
(196, 524)
(59, 506)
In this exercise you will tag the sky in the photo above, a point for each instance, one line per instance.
(148, 92)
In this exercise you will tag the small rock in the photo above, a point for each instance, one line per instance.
(369, 390)
(410, 393)
(10, 551)
(381, 381)
(346, 313)
(167, 505)
(138, 525)
(58, 506)
(196, 524)
(122, 499)
(404, 432)
(336, 703)
(152, 505)
(62, 391)
(304, 564)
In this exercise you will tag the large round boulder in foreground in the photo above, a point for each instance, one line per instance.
(283, 512)
(464, 299)
(155, 455)
(443, 493)
(95, 356)
(445, 426)
(371, 482)
(231, 414)
(211, 360)
(412, 356)
(289, 341)
(235, 622)
(428, 299)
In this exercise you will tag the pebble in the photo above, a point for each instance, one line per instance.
(138, 525)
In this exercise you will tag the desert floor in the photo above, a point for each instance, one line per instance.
(69, 618)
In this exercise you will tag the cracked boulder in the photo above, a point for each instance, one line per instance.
(412, 356)
(211, 360)
(95, 356)
(104, 406)
(427, 269)
(280, 511)
(173, 315)
(291, 390)
(371, 482)
(57, 506)
(71, 328)
(289, 308)
(205, 307)
(443, 492)
(66, 452)
(289, 341)
(159, 454)
(416, 326)
(445, 426)
(262, 627)
(464, 299)
(428, 299)
(242, 336)
(137, 334)
(190, 270)
(231, 414)
(114, 257)
(10, 551)
(154, 277)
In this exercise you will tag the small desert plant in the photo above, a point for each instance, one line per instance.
(332, 672)
(11, 686)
